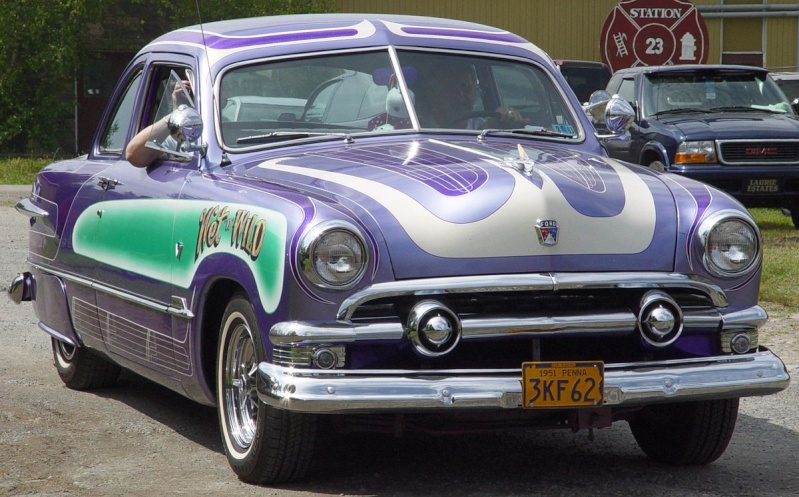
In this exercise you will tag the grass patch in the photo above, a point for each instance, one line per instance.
(780, 279)
(20, 171)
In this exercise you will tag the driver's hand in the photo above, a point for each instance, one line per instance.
(510, 118)
(178, 96)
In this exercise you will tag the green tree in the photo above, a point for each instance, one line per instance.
(43, 44)
(38, 54)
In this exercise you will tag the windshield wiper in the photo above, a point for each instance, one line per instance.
(686, 110)
(743, 108)
(276, 136)
(530, 130)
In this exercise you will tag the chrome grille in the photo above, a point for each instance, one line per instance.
(505, 320)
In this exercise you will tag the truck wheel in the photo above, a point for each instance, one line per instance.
(657, 165)
(794, 208)
(263, 444)
(686, 434)
(82, 369)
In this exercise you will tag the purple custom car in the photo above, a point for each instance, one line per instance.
(340, 248)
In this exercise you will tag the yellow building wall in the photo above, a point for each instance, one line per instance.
(566, 29)
(781, 38)
(570, 29)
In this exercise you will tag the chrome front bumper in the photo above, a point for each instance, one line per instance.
(343, 391)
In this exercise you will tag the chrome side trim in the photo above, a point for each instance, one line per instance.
(612, 322)
(28, 208)
(171, 309)
(529, 283)
(342, 391)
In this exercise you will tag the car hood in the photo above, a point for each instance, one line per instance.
(437, 208)
(735, 125)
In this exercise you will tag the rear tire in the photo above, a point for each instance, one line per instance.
(262, 444)
(81, 368)
(686, 434)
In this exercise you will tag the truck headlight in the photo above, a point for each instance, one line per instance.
(696, 152)
(731, 244)
(333, 255)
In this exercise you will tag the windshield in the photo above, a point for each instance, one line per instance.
(712, 92)
(363, 92)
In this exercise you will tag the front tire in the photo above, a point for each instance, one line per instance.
(794, 208)
(657, 165)
(686, 434)
(262, 444)
(82, 369)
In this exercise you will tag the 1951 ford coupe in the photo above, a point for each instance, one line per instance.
(402, 221)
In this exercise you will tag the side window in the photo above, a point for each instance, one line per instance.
(627, 90)
(113, 140)
(164, 94)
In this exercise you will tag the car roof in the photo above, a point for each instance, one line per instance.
(580, 63)
(690, 68)
(241, 39)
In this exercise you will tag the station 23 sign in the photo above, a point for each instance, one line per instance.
(653, 33)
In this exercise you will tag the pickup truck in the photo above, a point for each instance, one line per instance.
(727, 126)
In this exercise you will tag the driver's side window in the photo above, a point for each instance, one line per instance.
(170, 88)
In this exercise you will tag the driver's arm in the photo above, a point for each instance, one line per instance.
(137, 153)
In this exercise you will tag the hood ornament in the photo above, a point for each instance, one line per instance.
(547, 231)
(524, 164)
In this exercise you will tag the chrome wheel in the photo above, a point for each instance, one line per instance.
(238, 376)
(64, 352)
(263, 444)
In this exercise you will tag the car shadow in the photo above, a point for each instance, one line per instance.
(193, 421)
(515, 463)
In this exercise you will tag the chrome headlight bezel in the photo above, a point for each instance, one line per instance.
(729, 223)
(351, 240)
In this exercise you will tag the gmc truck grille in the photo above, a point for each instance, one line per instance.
(759, 152)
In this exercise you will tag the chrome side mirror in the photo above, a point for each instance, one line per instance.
(619, 115)
(613, 113)
(186, 127)
(186, 124)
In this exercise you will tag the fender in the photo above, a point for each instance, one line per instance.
(654, 147)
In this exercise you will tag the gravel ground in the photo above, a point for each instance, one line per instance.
(141, 439)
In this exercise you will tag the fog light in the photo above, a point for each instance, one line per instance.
(328, 357)
(738, 342)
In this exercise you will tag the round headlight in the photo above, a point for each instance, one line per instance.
(333, 255)
(732, 244)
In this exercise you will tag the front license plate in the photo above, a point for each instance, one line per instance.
(562, 384)
(763, 185)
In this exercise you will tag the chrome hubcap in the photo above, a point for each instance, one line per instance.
(241, 398)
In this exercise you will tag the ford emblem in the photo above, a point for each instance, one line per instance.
(547, 231)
